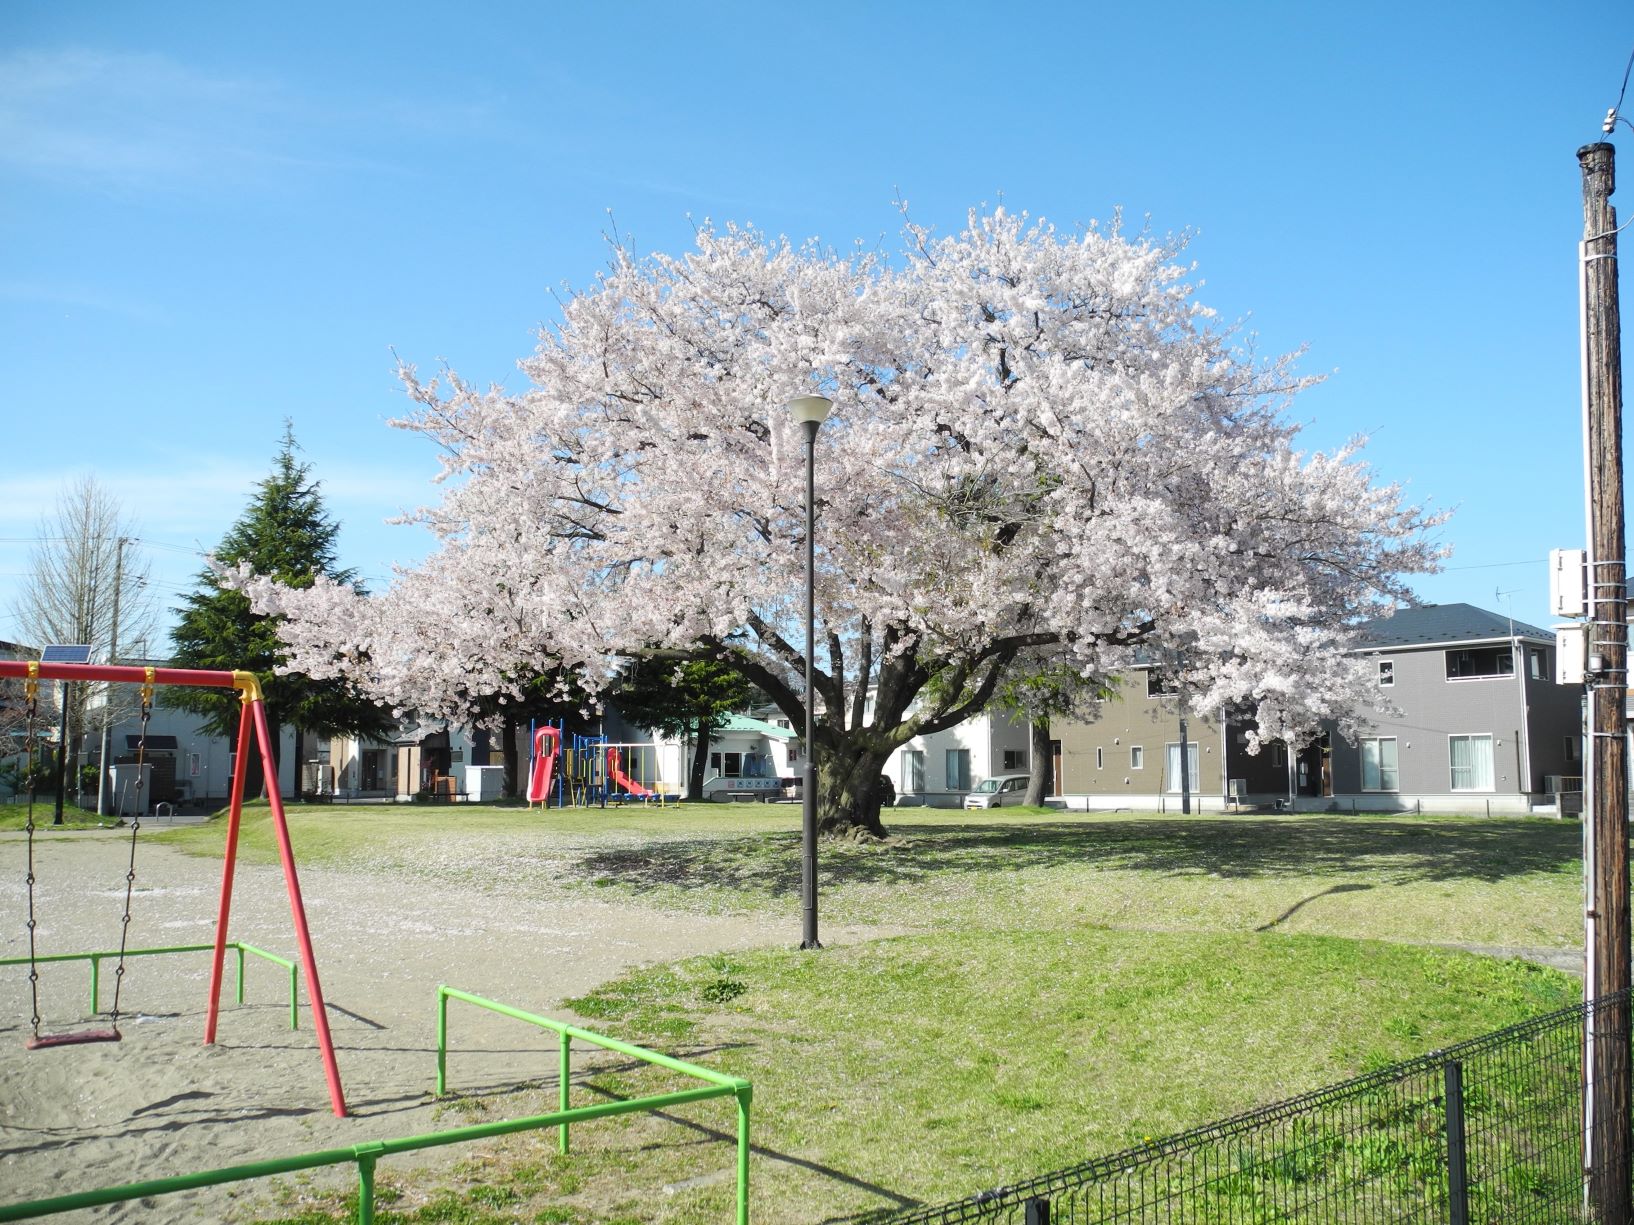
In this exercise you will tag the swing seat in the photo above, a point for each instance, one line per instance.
(77, 1038)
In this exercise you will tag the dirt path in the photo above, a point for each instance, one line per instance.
(161, 1103)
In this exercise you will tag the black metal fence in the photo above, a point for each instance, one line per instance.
(1489, 1131)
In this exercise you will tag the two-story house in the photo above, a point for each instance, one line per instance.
(1468, 719)
(1478, 722)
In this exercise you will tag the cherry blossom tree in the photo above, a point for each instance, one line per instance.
(1043, 454)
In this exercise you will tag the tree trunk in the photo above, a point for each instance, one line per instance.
(300, 766)
(1040, 762)
(700, 761)
(851, 786)
(511, 758)
(255, 784)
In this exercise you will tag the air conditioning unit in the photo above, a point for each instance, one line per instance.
(1556, 784)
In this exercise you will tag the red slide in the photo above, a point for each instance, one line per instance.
(616, 772)
(544, 764)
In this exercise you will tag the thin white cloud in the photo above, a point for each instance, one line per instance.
(147, 122)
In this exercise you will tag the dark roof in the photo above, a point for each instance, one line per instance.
(1432, 623)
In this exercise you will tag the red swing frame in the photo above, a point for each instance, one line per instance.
(252, 719)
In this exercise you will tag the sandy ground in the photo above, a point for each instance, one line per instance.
(161, 1103)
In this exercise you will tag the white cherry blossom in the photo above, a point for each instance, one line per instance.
(1042, 453)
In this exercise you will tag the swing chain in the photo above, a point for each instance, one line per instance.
(135, 826)
(31, 695)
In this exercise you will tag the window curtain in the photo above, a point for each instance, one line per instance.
(1471, 763)
(913, 770)
(1379, 765)
(1171, 768)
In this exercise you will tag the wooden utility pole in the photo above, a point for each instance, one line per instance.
(1607, 1036)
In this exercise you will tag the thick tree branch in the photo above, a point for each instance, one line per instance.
(865, 670)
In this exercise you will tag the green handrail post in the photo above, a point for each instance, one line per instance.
(564, 1073)
(442, 1041)
(720, 1083)
(374, 1150)
(99, 956)
(294, 977)
(744, 1096)
(367, 1155)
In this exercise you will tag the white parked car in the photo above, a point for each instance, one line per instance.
(998, 791)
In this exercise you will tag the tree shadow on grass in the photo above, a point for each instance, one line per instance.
(1383, 851)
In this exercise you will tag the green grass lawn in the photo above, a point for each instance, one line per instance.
(1502, 881)
(15, 816)
(928, 1067)
(955, 1062)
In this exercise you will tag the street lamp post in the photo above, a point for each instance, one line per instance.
(810, 412)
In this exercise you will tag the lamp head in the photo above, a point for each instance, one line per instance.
(809, 410)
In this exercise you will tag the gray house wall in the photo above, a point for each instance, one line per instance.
(1435, 708)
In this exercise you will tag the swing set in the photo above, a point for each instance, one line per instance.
(252, 723)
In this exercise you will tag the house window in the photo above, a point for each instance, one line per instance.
(1471, 760)
(1015, 759)
(1474, 663)
(1279, 755)
(1100, 758)
(913, 770)
(1137, 757)
(1171, 768)
(1537, 663)
(1387, 673)
(1379, 771)
(1574, 749)
(958, 769)
(1158, 685)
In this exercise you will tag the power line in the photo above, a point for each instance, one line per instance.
(196, 550)
(1618, 108)
(1498, 565)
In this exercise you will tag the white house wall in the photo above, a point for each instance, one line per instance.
(215, 769)
(986, 738)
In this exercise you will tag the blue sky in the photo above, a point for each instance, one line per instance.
(216, 216)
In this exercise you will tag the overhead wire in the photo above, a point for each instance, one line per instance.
(1615, 113)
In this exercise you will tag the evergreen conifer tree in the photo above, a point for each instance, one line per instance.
(692, 699)
(284, 531)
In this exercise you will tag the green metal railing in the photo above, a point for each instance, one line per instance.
(96, 959)
(365, 1156)
(720, 1085)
